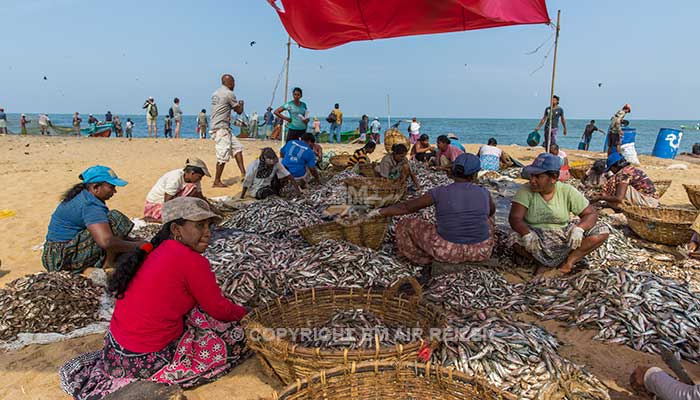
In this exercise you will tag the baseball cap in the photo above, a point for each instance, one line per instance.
(100, 173)
(188, 208)
(545, 162)
(150, 97)
(469, 164)
(196, 162)
(613, 159)
(452, 136)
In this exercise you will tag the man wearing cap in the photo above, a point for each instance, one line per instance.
(268, 121)
(454, 140)
(615, 129)
(182, 182)
(223, 101)
(83, 232)
(539, 215)
(151, 116)
(463, 210)
(628, 184)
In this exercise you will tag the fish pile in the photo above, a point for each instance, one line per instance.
(273, 216)
(332, 191)
(518, 357)
(355, 329)
(638, 309)
(146, 231)
(427, 178)
(253, 270)
(48, 302)
(473, 289)
(512, 172)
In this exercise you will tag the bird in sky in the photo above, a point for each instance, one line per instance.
(252, 43)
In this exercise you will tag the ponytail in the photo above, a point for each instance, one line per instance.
(128, 264)
(73, 191)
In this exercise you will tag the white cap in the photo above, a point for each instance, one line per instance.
(150, 97)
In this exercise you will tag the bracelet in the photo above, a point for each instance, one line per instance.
(147, 247)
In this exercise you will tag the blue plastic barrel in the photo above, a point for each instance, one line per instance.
(667, 143)
(629, 135)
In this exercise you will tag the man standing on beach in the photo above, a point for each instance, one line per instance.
(558, 113)
(177, 115)
(44, 123)
(151, 116)
(202, 124)
(375, 129)
(615, 129)
(336, 120)
(76, 123)
(588, 134)
(108, 117)
(268, 121)
(3, 121)
(223, 101)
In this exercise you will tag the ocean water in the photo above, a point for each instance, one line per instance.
(469, 130)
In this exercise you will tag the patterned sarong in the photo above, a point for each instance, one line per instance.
(82, 251)
(207, 350)
(553, 247)
(419, 241)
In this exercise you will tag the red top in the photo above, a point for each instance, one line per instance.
(171, 281)
(322, 24)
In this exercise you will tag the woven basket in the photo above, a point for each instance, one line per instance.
(367, 170)
(670, 226)
(386, 380)
(392, 137)
(579, 172)
(289, 361)
(367, 233)
(693, 192)
(662, 187)
(374, 192)
(340, 161)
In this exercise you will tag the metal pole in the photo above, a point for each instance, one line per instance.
(286, 86)
(388, 112)
(551, 97)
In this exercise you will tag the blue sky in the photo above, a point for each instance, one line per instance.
(111, 55)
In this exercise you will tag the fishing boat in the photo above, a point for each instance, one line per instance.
(690, 128)
(345, 137)
(104, 130)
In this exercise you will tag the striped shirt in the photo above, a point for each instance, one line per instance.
(359, 157)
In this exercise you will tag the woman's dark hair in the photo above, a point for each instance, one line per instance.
(176, 100)
(399, 148)
(599, 167)
(308, 137)
(423, 137)
(492, 142)
(297, 89)
(127, 264)
(76, 189)
(204, 111)
(458, 172)
(443, 139)
(370, 145)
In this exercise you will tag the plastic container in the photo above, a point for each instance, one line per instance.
(667, 143)
(629, 135)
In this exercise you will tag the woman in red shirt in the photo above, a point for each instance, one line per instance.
(171, 324)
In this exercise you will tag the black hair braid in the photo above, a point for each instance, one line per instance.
(73, 191)
(128, 264)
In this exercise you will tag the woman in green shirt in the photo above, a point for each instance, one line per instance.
(298, 115)
(540, 216)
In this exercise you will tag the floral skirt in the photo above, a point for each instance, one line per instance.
(207, 350)
(419, 241)
(554, 249)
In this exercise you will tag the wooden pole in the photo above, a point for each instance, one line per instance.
(551, 97)
(286, 86)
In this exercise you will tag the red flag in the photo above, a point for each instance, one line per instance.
(322, 24)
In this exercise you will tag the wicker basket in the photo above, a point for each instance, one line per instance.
(366, 170)
(374, 192)
(579, 172)
(340, 161)
(311, 308)
(662, 187)
(670, 226)
(386, 380)
(367, 233)
(393, 136)
(693, 192)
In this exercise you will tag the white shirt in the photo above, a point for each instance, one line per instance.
(254, 184)
(414, 128)
(171, 183)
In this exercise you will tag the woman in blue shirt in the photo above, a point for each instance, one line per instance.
(298, 115)
(82, 229)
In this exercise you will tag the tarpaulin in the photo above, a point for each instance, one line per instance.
(322, 24)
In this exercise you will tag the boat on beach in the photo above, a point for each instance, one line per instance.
(104, 130)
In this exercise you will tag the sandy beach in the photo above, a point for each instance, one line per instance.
(37, 170)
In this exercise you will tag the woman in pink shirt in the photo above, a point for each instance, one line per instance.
(446, 153)
(171, 324)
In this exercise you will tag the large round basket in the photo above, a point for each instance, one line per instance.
(374, 192)
(393, 136)
(693, 192)
(670, 226)
(662, 187)
(367, 233)
(340, 161)
(387, 380)
(312, 308)
(366, 170)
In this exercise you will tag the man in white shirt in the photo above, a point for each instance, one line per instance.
(414, 131)
(176, 183)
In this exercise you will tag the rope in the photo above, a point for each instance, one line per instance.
(279, 78)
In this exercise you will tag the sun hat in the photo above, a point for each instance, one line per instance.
(187, 208)
(100, 173)
(544, 162)
(196, 162)
(613, 159)
(466, 164)
(452, 136)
